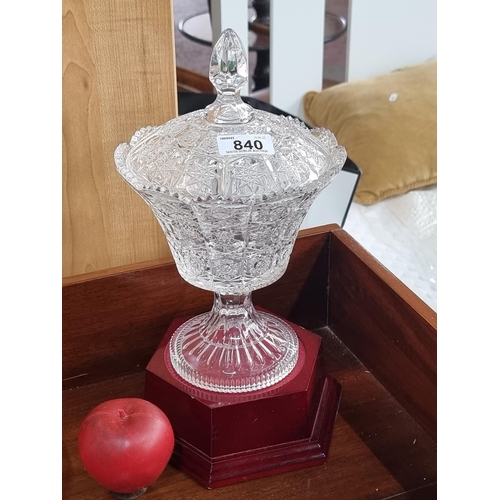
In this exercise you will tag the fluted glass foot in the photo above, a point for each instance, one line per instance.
(234, 348)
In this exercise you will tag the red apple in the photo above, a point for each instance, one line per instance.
(125, 444)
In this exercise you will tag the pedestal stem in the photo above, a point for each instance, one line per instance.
(233, 317)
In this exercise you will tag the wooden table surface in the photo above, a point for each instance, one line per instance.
(377, 450)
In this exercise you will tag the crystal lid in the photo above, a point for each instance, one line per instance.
(230, 151)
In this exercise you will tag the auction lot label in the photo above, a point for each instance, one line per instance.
(245, 144)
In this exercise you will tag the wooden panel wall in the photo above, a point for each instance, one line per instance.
(389, 328)
(118, 76)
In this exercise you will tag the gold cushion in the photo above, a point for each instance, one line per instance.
(387, 125)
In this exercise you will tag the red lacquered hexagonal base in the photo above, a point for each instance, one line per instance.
(228, 438)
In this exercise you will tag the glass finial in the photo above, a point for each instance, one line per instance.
(228, 74)
(228, 65)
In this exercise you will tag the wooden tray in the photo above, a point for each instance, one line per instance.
(379, 342)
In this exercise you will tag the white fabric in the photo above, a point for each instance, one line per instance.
(401, 233)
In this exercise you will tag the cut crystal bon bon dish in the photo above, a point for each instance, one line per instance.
(230, 186)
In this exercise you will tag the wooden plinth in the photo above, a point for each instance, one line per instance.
(223, 439)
